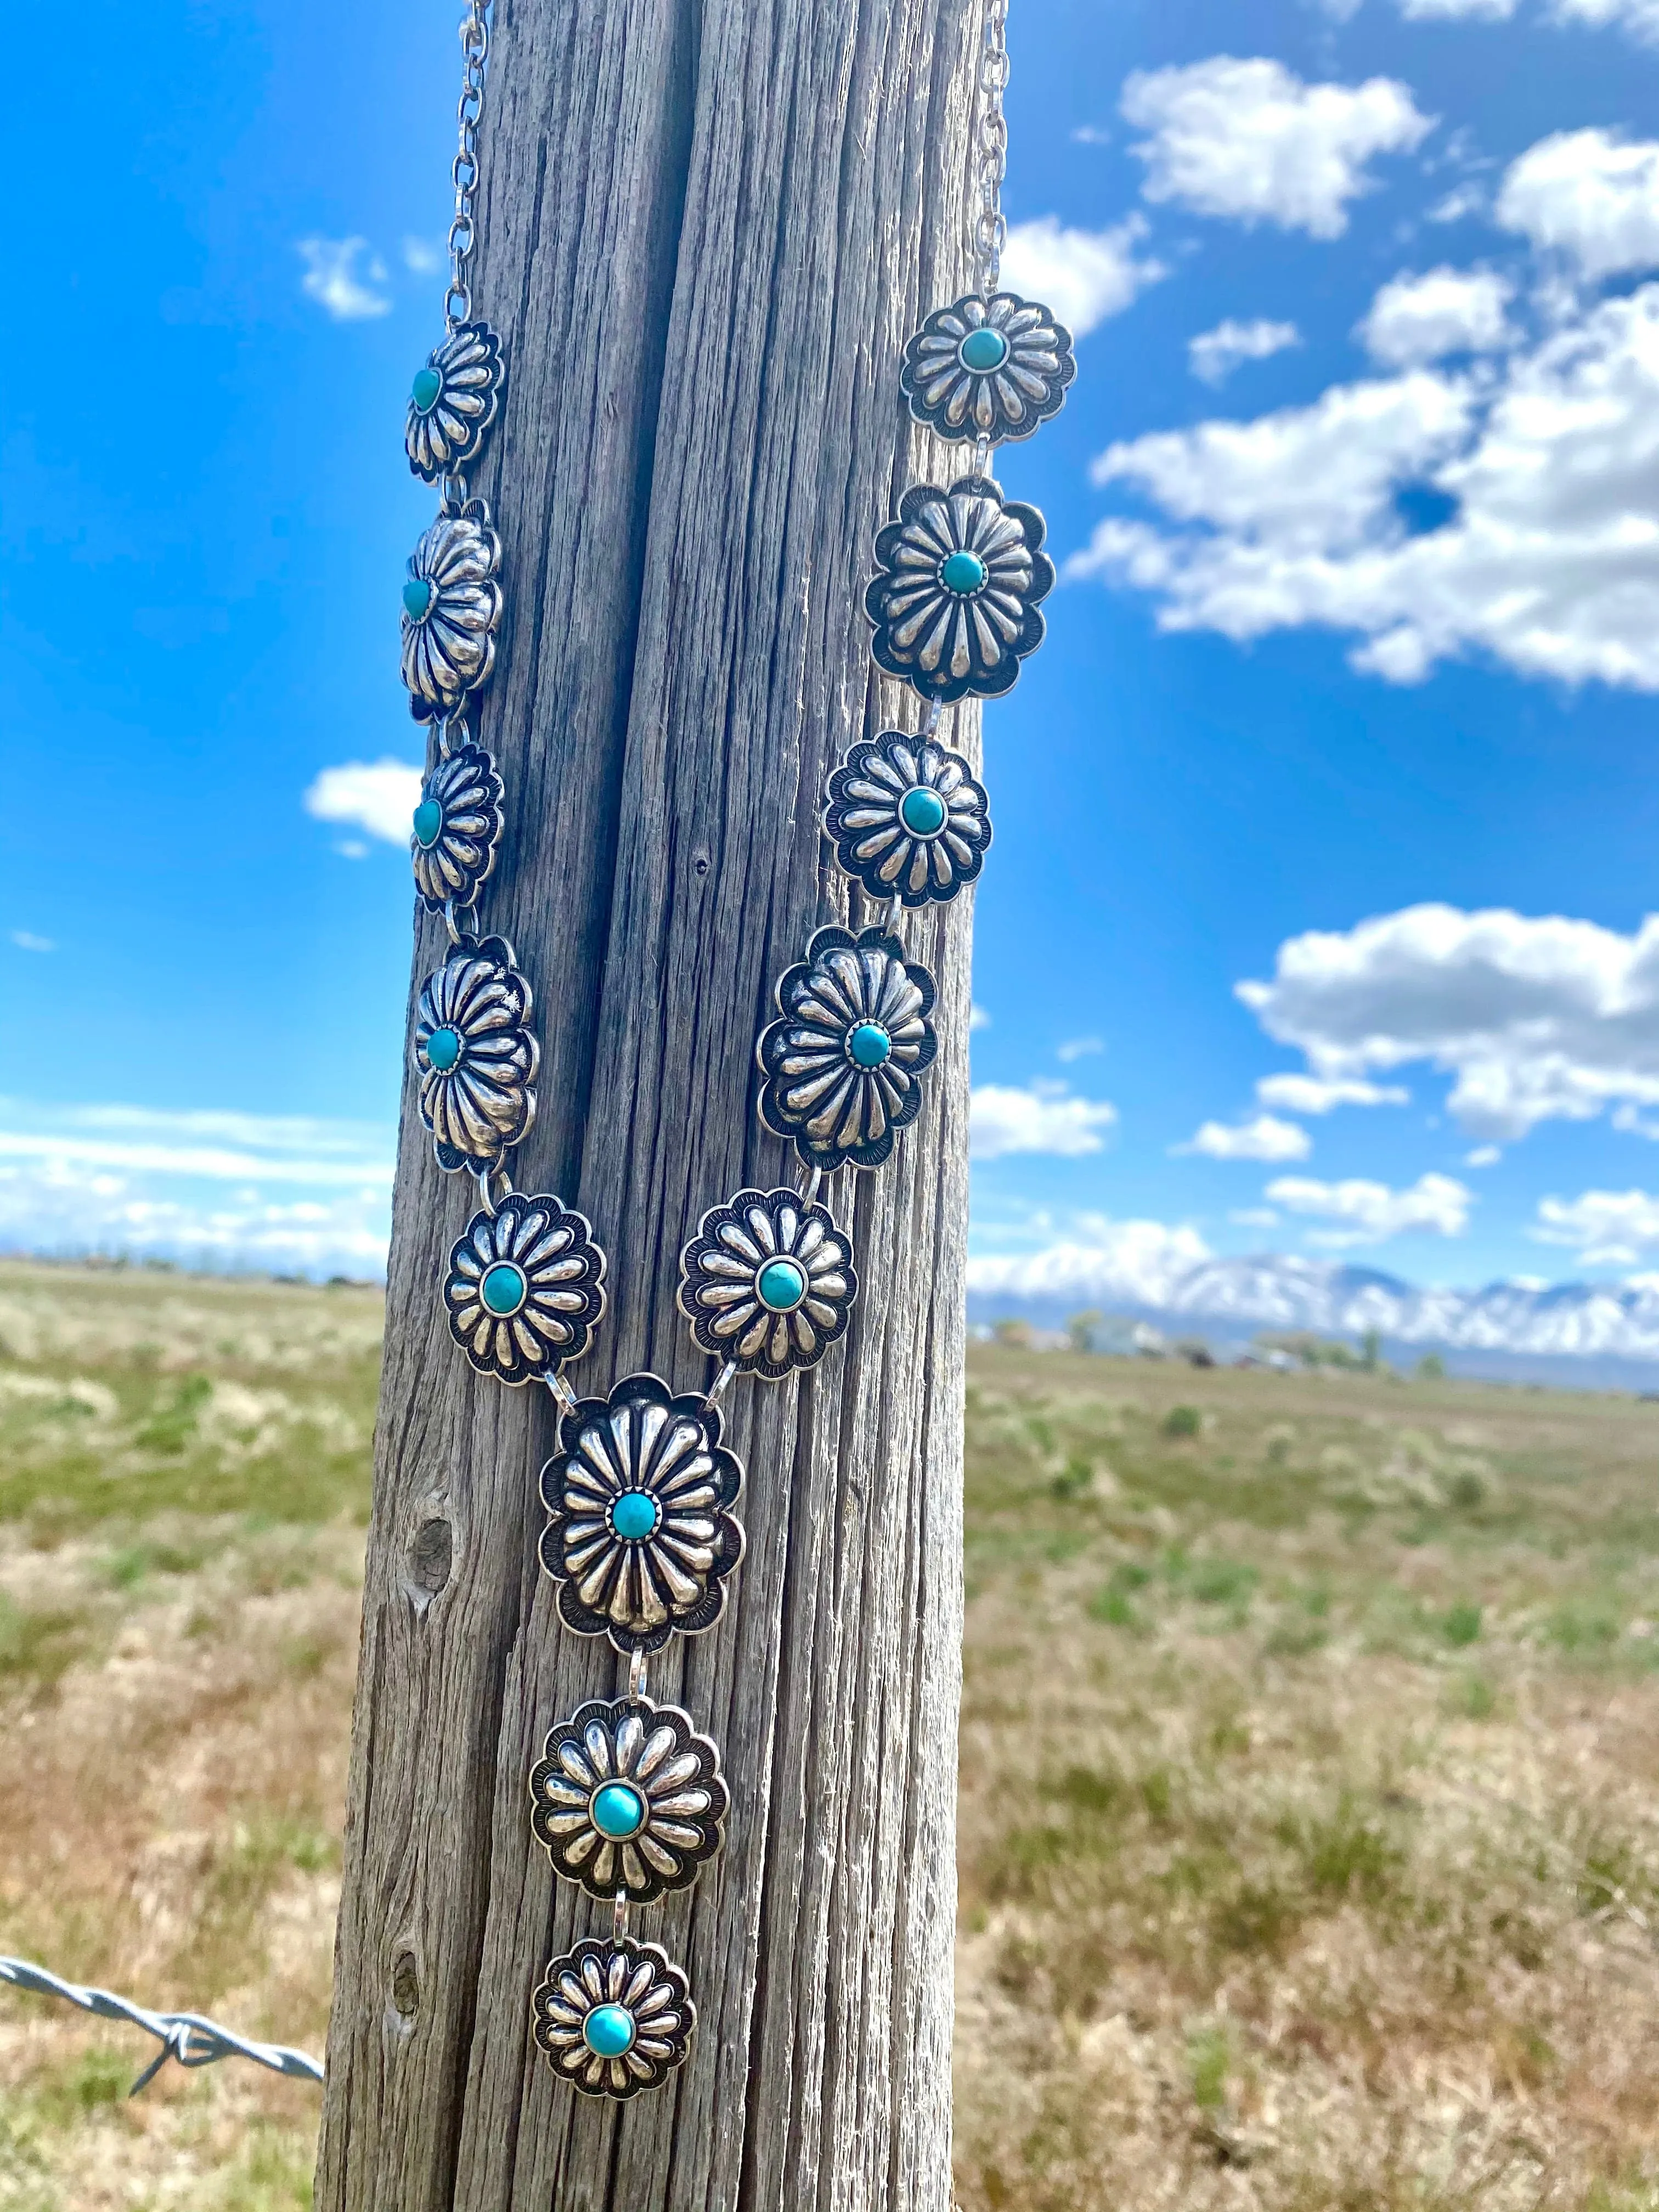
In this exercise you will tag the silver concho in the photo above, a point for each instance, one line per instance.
(987, 367)
(454, 401)
(954, 608)
(843, 1063)
(475, 1055)
(452, 604)
(627, 1799)
(768, 1282)
(525, 1288)
(615, 2016)
(457, 828)
(908, 818)
(640, 1537)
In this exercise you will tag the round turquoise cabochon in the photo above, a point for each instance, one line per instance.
(962, 572)
(504, 1289)
(922, 812)
(618, 1810)
(608, 2031)
(783, 1285)
(983, 349)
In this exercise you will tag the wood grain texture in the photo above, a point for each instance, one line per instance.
(707, 231)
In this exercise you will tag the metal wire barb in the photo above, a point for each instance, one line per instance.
(185, 2036)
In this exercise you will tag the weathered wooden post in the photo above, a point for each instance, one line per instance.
(706, 227)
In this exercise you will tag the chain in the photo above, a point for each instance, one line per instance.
(991, 229)
(463, 231)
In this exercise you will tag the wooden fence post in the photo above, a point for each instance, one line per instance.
(707, 229)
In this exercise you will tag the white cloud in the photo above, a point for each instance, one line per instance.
(1138, 1262)
(1545, 552)
(1614, 1228)
(1042, 1119)
(1264, 1139)
(1639, 17)
(1369, 1211)
(1479, 11)
(1447, 311)
(1212, 356)
(1085, 276)
(213, 1188)
(423, 255)
(379, 796)
(1254, 1217)
(1319, 1094)
(1538, 1019)
(1250, 140)
(978, 1019)
(1483, 1156)
(332, 277)
(27, 941)
(1078, 1048)
(1589, 195)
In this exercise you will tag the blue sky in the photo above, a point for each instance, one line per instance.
(1327, 821)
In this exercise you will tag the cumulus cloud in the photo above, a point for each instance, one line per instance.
(27, 940)
(1250, 140)
(1444, 11)
(1078, 1048)
(379, 796)
(1611, 1228)
(1446, 311)
(1137, 1262)
(1483, 1156)
(1538, 1019)
(1366, 1213)
(334, 280)
(1320, 1094)
(1640, 18)
(1212, 356)
(1590, 195)
(1085, 276)
(1263, 1138)
(1045, 1118)
(1513, 509)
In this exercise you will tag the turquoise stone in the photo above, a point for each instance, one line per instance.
(962, 572)
(443, 1049)
(504, 1289)
(618, 1809)
(429, 384)
(983, 349)
(783, 1285)
(920, 811)
(420, 591)
(634, 1516)
(608, 2031)
(869, 1045)
(428, 823)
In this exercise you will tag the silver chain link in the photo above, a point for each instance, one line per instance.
(463, 232)
(991, 228)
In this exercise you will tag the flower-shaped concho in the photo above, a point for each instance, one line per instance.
(456, 828)
(475, 1055)
(990, 368)
(955, 605)
(640, 1536)
(453, 401)
(843, 1061)
(452, 604)
(628, 1800)
(908, 818)
(615, 2016)
(768, 1282)
(525, 1288)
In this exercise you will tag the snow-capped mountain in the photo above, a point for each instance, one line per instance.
(1572, 1320)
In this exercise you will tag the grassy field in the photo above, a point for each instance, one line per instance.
(1310, 1766)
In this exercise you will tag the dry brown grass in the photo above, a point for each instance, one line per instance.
(1310, 1826)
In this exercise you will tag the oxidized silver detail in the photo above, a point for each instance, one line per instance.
(722, 1270)
(476, 1095)
(638, 1979)
(458, 858)
(447, 434)
(949, 641)
(1008, 399)
(449, 646)
(850, 993)
(875, 844)
(675, 1776)
(642, 1441)
(562, 1271)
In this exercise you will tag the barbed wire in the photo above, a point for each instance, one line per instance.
(184, 2036)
